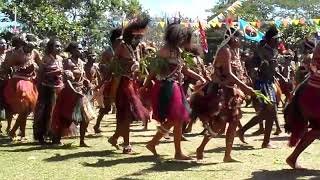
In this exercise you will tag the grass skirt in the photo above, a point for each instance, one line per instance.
(20, 96)
(302, 112)
(169, 102)
(70, 108)
(128, 102)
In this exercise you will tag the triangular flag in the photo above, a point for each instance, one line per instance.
(295, 21)
(253, 24)
(317, 21)
(302, 21)
(258, 24)
(162, 23)
(125, 22)
(285, 22)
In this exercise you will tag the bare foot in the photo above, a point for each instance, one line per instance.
(278, 131)
(182, 157)
(258, 132)
(152, 148)
(229, 160)
(113, 143)
(8, 130)
(97, 130)
(241, 136)
(199, 154)
(268, 146)
(12, 135)
(293, 163)
(83, 144)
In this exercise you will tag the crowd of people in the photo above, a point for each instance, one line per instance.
(61, 89)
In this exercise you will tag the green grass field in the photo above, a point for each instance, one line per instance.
(28, 160)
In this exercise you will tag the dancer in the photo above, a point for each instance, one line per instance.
(303, 113)
(305, 68)
(3, 48)
(128, 103)
(77, 109)
(106, 76)
(169, 104)
(221, 100)
(50, 84)
(266, 60)
(20, 92)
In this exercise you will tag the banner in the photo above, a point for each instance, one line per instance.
(250, 32)
(203, 36)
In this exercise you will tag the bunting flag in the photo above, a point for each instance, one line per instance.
(162, 23)
(250, 32)
(318, 32)
(203, 36)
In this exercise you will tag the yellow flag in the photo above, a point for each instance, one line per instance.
(162, 24)
(295, 21)
(125, 23)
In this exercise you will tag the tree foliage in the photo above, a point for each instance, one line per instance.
(269, 9)
(88, 21)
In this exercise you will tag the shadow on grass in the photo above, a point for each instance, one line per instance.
(235, 148)
(282, 138)
(285, 174)
(38, 148)
(158, 166)
(59, 157)
(163, 141)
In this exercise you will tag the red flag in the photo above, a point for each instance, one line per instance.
(203, 36)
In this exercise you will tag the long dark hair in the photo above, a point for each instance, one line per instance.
(50, 46)
(176, 35)
(72, 46)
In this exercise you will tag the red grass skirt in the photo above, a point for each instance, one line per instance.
(20, 95)
(169, 102)
(303, 112)
(128, 102)
(62, 114)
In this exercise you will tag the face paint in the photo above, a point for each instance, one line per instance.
(136, 40)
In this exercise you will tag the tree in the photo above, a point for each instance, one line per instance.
(88, 21)
(269, 9)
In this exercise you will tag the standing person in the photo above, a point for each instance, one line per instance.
(20, 92)
(169, 104)
(92, 74)
(50, 81)
(128, 103)
(222, 101)
(305, 68)
(106, 77)
(302, 114)
(3, 48)
(267, 62)
(77, 109)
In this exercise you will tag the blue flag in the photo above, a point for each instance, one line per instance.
(250, 33)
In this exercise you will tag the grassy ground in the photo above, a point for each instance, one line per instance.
(28, 160)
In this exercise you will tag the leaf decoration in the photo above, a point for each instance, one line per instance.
(262, 98)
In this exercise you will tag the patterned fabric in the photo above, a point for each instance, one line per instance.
(51, 72)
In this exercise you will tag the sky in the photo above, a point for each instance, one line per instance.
(188, 8)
